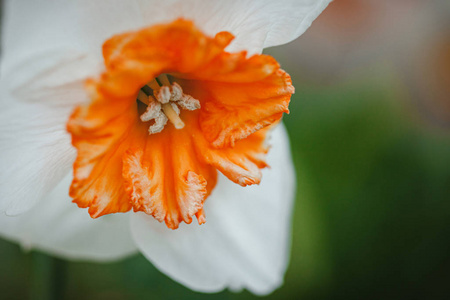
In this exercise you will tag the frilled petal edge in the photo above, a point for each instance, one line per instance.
(245, 243)
(60, 228)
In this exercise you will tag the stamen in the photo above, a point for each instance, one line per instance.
(164, 80)
(188, 102)
(153, 109)
(175, 108)
(160, 122)
(177, 92)
(165, 103)
(154, 85)
(172, 116)
(142, 97)
(163, 95)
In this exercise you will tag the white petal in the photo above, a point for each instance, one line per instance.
(256, 24)
(38, 27)
(245, 241)
(59, 227)
(60, 73)
(35, 150)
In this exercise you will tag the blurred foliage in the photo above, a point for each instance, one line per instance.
(372, 217)
(377, 180)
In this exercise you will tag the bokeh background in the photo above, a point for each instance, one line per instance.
(370, 134)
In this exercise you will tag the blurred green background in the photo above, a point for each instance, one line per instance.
(370, 134)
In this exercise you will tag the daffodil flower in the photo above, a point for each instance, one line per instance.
(153, 112)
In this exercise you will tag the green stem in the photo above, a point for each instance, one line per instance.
(48, 277)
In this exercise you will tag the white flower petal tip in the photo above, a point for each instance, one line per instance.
(255, 24)
(58, 227)
(245, 241)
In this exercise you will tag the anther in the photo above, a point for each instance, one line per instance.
(163, 95)
(153, 109)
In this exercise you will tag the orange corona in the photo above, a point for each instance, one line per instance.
(170, 110)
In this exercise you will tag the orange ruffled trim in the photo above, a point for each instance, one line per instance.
(169, 175)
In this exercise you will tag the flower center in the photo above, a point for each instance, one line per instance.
(120, 167)
(164, 100)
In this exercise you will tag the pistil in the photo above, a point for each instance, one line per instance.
(173, 117)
